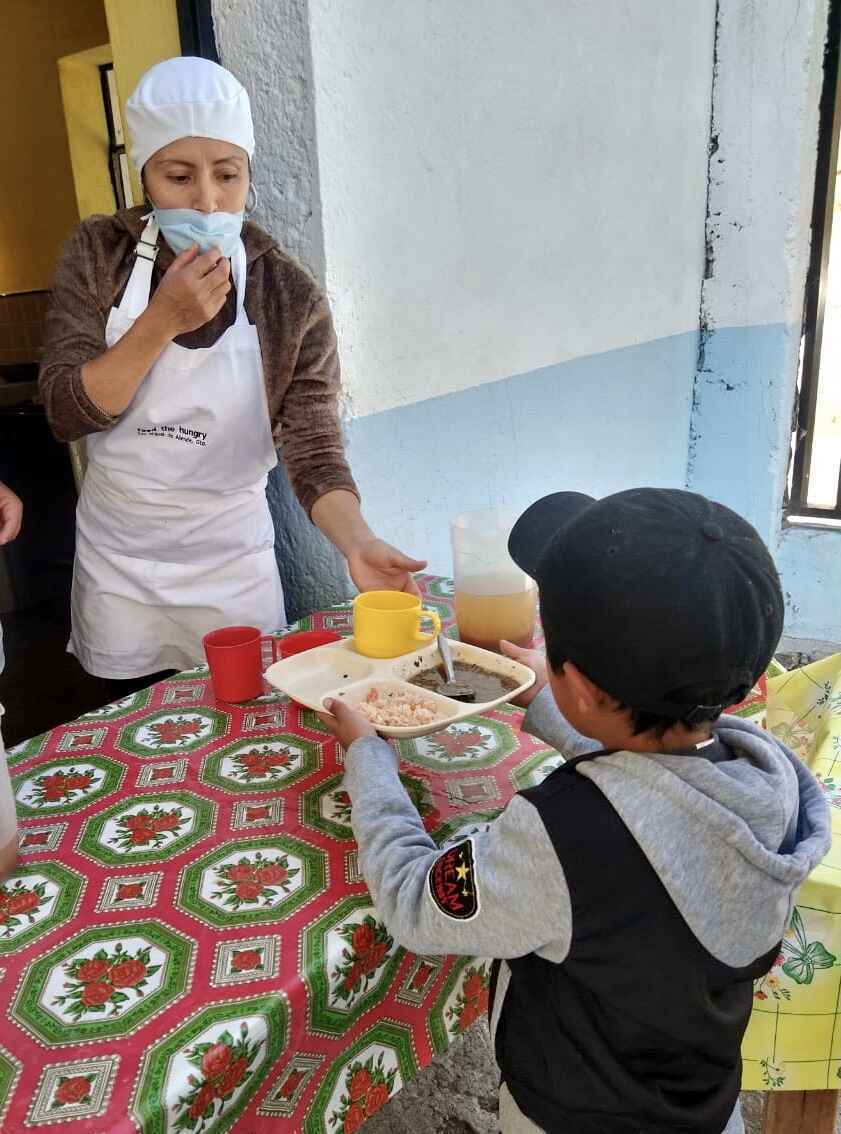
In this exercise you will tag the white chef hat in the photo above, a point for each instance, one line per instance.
(187, 97)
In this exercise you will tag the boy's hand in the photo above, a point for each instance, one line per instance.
(345, 723)
(534, 659)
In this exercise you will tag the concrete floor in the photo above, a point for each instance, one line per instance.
(457, 1094)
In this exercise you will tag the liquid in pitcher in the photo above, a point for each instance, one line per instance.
(489, 609)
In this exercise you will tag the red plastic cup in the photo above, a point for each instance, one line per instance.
(306, 640)
(235, 657)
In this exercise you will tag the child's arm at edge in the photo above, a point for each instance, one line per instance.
(498, 893)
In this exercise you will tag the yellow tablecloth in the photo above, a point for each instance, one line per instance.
(793, 1041)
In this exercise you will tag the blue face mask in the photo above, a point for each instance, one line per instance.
(181, 228)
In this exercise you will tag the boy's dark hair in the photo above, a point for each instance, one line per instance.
(641, 721)
(667, 601)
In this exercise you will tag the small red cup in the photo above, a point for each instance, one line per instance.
(306, 640)
(235, 657)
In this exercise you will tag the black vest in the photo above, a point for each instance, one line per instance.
(639, 1030)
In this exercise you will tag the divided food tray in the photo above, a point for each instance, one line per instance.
(337, 670)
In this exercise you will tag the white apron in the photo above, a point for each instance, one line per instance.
(173, 531)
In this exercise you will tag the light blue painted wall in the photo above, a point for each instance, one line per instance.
(809, 560)
(641, 415)
(741, 421)
(738, 454)
(595, 424)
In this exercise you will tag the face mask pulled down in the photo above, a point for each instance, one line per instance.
(182, 228)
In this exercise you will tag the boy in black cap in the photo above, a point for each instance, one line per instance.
(635, 895)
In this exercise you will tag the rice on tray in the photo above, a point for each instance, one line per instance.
(396, 708)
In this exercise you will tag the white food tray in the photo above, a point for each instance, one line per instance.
(337, 670)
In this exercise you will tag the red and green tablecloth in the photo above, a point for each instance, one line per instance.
(187, 944)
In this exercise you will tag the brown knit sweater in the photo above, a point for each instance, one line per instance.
(294, 327)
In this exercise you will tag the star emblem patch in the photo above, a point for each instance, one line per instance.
(452, 882)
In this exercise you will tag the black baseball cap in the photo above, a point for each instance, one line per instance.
(666, 600)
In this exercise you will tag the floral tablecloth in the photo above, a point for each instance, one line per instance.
(793, 1042)
(188, 946)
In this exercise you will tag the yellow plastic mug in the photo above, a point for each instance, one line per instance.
(387, 624)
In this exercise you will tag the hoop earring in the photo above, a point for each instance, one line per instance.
(252, 193)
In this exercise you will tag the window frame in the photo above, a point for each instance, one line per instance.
(796, 503)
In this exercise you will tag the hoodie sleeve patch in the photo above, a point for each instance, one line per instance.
(452, 882)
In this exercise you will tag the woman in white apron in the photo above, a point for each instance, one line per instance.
(174, 534)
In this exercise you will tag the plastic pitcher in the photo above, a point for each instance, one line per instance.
(494, 598)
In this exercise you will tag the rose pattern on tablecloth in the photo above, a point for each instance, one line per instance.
(367, 1088)
(73, 1090)
(222, 1068)
(201, 1076)
(255, 879)
(262, 764)
(245, 960)
(282, 952)
(104, 982)
(37, 840)
(367, 945)
(65, 785)
(172, 731)
(158, 775)
(387, 1053)
(150, 828)
(456, 1006)
(469, 744)
(209, 893)
(283, 1098)
(35, 900)
(350, 962)
(471, 1000)
(129, 892)
(419, 980)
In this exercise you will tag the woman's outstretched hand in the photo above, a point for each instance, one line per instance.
(377, 566)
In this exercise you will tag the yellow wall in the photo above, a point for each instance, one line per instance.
(140, 34)
(37, 198)
(87, 128)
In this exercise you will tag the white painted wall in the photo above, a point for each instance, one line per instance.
(507, 186)
(767, 91)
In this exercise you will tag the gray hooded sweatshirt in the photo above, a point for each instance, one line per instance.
(731, 839)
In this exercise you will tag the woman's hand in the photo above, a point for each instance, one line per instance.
(193, 289)
(377, 566)
(11, 514)
(345, 723)
(534, 659)
(374, 565)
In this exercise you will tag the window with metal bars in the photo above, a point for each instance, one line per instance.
(814, 489)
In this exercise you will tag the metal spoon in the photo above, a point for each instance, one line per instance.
(455, 690)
